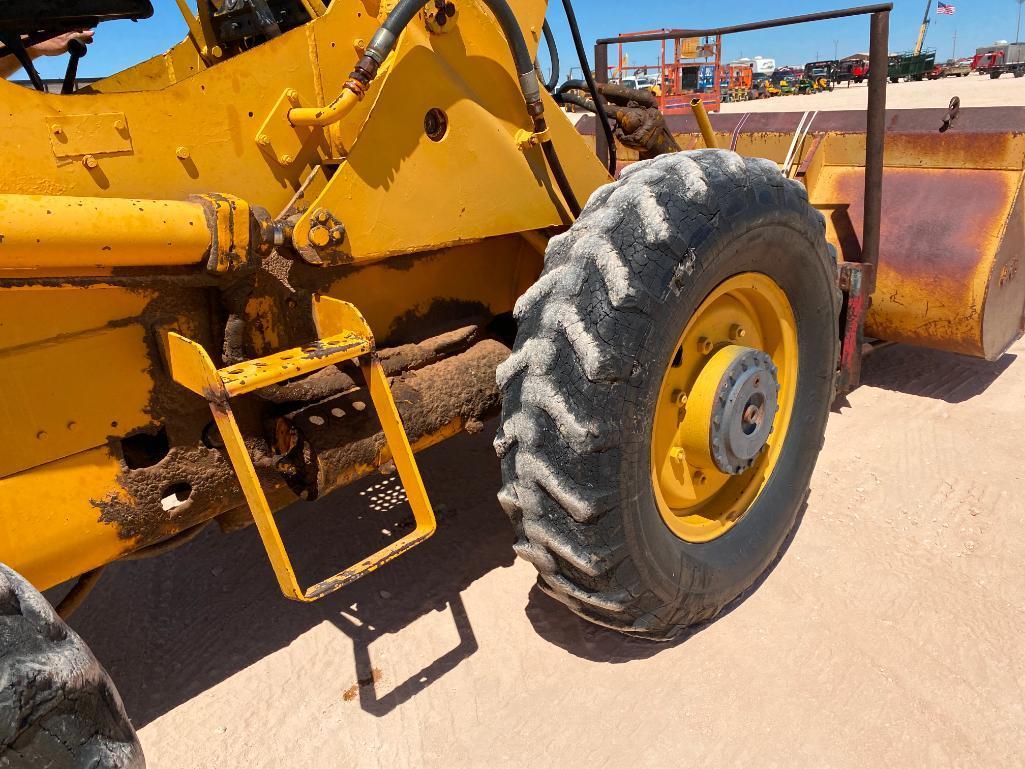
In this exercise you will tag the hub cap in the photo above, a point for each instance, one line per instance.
(724, 406)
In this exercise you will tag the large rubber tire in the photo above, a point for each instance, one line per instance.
(595, 334)
(58, 707)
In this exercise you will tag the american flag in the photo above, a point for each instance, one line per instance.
(945, 8)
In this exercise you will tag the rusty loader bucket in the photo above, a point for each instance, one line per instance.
(952, 232)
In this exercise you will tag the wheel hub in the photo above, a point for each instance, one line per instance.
(730, 409)
(745, 405)
(724, 407)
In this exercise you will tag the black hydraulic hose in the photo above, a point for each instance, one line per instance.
(603, 116)
(574, 85)
(384, 40)
(560, 176)
(553, 54)
(576, 99)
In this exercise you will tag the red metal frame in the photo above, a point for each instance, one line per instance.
(673, 99)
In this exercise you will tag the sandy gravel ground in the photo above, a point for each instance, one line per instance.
(973, 90)
(889, 635)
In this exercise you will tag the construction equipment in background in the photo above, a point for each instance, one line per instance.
(951, 68)
(922, 30)
(822, 73)
(1000, 58)
(910, 66)
(852, 70)
(736, 80)
(687, 67)
(248, 272)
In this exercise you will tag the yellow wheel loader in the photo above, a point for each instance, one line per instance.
(311, 240)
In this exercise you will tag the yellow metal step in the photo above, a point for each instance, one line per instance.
(261, 372)
(345, 335)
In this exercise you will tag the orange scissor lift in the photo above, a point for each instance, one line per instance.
(679, 65)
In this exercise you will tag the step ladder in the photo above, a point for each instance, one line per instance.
(344, 335)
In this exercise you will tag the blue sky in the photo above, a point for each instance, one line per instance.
(978, 22)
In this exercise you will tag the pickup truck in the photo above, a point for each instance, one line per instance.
(951, 68)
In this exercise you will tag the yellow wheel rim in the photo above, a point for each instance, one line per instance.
(746, 319)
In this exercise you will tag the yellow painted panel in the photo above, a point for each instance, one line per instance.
(487, 272)
(98, 134)
(69, 395)
(33, 314)
(49, 529)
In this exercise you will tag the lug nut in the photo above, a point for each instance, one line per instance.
(679, 397)
(678, 455)
(737, 332)
(705, 345)
(700, 479)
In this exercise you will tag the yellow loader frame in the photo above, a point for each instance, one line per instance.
(139, 222)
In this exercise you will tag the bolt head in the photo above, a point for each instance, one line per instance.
(679, 397)
(182, 153)
(292, 95)
(700, 479)
(57, 130)
(263, 140)
(319, 236)
(705, 345)
(286, 160)
(678, 455)
(90, 162)
(737, 332)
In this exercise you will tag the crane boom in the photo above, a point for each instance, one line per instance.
(921, 31)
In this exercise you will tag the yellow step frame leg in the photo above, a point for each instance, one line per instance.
(192, 367)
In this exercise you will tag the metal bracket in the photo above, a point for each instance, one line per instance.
(854, 282)
(277, 137)
(74, 136)
(526, 140)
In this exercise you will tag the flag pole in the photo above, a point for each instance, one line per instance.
(953, 49)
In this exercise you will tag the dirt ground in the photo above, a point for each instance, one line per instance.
(973, 90)
(890, 633)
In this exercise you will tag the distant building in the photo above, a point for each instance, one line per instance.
(758, 65)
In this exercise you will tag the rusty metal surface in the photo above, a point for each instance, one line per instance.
(952, 230)
(942, 235)
(337, 440)
(854, 285)
(985, 120)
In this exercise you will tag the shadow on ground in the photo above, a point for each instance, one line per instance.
(931, 373)
(169, 628)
